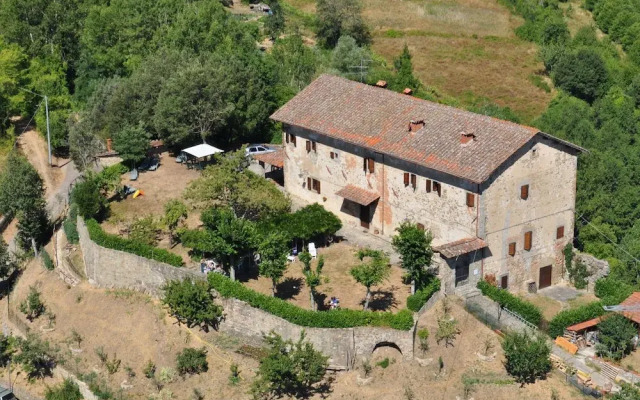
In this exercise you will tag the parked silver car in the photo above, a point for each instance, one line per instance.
(253, 149)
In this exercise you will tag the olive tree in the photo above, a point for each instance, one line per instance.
(372, 271)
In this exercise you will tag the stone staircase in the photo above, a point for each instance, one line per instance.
(607, 370)
(467, 291)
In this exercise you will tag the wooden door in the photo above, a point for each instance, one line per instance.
(545, 277)
(365, 216)
(504, 281)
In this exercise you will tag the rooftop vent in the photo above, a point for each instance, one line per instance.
(467, 137)
(415, 126)
(408, 91)
(382, 84)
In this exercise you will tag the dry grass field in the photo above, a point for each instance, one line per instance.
(466, 49)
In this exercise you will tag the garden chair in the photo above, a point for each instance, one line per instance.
(312, 250)
(133, 175)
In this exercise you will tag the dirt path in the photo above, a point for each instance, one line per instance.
(34, 147)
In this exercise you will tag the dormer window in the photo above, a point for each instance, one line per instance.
(415, 126)
(467, 137)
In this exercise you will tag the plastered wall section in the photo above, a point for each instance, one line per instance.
(447, 216)
(550, 173)
(110, 268)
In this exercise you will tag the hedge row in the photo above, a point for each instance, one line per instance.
(570, 317)
(526, 310)
(417, 300)
(341, 318)
(70, 225)
(115, 242)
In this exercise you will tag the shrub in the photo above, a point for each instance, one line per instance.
(341, 318)
(567, 318)
(583, 74)
(46, 260)
(67, 390)
(525, 309)
(384, 363)
(70, 225)
(32, 306)
(447, 331)
(149, 369)
(115, 242)
(527, 357)
(289, 369)
(423, 337)
(145, 230)
(612, 291)
(192, 361)
(192, 303)
(417, 300)
(615, 337)
(87, 196)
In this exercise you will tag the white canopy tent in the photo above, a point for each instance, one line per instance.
(202, 150)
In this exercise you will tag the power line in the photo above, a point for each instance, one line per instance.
(28, 123)
(606, 237)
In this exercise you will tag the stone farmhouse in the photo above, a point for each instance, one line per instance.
(498, 197)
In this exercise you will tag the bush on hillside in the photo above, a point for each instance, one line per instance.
(612, 291)
(341, 318)
(525, 309)
(115, 242)
(70, 225)
(192, 361)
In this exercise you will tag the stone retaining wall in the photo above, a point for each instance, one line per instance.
(110, 268)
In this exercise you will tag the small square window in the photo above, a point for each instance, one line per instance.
(560, 232)
(512, 249)
(471, 200)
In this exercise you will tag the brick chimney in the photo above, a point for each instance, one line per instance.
(415, 126)
(381, 83)
(467, 137)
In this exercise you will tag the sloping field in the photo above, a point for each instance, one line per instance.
(466, 49)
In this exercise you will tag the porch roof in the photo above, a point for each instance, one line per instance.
(584, 325)
(358, 195)
(460, 247)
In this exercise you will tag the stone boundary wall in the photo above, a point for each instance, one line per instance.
(430, 303)
(110, 268)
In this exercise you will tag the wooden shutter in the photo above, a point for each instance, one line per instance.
(471, 200)
(428, 186)
(332, 154)
(560, 232)
(414, 181)
(437, 188)
(316, 185)
(308, 144)
(524, 192)
(313, 146)
(308, 183)
(287, 139)
(504, 281)
(294, 140)
(512, 249)
(406, 179)
(528, 238)
(371, 165)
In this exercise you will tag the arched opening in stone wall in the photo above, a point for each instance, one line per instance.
(384, 350)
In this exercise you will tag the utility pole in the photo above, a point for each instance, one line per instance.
(46, 108)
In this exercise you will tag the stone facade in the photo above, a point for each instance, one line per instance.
(498, 215)
(597, 268)
(110, 268)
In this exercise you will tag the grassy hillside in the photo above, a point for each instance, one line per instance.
(466, 49)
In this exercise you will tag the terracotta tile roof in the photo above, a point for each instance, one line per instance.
(378, 119)
(633, 301)
(584, 325)
(276, 158)
(358, 195)
(460, 247)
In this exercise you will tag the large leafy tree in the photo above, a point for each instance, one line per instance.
(273, 251)
(7, 263)
(294, 65)
(341, 17)
(175, 212)
(527, 357)
(37, 357)
(289, 369)
(13, 64)
(88, 197)
(404, 77)
(20, 186)
(372, 271)
(132, 144)
(615, 337)
(583, 74)
(229, 183)
(192, 303)
(414, 246)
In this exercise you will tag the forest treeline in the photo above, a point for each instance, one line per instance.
(188, 71)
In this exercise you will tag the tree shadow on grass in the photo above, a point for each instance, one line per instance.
(382, 300)
(246, 274)
(288, 288)
(321, 302)
(6, 286)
